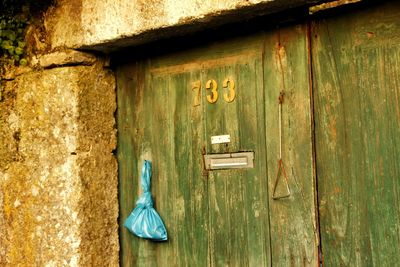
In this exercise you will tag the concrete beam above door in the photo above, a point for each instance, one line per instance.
(107, 25)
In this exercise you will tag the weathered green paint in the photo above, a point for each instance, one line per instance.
(220, 218)
(294, 234)
(151, 117)
(228, 217)
(357, 110)
(239, 233)
(212, 218)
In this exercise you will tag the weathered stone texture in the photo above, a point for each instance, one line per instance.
(66, 58)
(9, 142)
(58, 198)
(97, 168)
(107, 24)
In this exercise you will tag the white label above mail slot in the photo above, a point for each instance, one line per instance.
(220, 139)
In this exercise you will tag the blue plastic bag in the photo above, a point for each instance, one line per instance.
(144, 220)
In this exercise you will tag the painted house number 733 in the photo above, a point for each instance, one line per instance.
(211, 85)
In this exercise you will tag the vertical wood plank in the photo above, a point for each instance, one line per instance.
(159, 132)
(294, 238)
(189, 206)
(158, 108)
(198, 198)
(219, 210)
(252, 137)
(356, 79)
(130, 90)
(239, 233)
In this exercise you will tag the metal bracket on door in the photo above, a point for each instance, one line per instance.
(281, 167)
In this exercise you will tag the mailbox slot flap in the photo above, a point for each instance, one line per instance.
(240, 160)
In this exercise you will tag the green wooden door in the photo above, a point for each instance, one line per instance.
(357, 113)
(212, 217)
(168, 111)
(339, 74)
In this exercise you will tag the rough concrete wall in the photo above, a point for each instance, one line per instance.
(58, 176)
(97, 168)
(108, 24)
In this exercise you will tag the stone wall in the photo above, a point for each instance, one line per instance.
(58, 175)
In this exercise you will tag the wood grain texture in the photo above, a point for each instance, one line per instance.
(294, 234)
(239, 232)
(128, 100)
(162, 129)
(356, 65)
(213, 219)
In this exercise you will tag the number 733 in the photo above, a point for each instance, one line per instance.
(212, 86)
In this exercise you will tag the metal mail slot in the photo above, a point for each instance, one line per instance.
(240, 160)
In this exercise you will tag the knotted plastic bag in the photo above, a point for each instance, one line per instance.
(144, 220)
